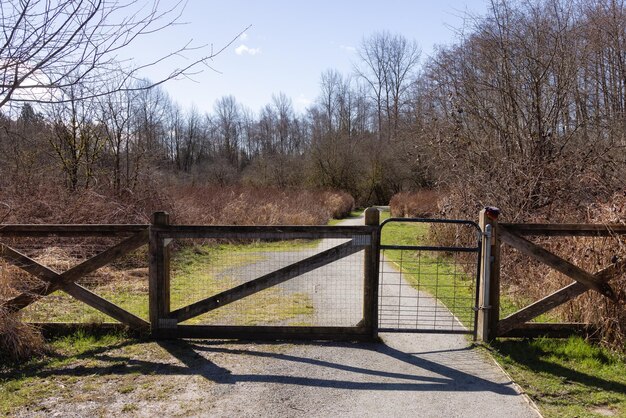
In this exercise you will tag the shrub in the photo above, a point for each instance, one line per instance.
(417, 204)
(18, 341)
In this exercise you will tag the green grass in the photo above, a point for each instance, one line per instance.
(23, 385)
(434, 273)
(566, 378)
(202, 271)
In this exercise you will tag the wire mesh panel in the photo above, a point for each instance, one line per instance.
(331, 295)
(275, 278)
(428, 288)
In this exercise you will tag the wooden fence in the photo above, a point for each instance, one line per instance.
(163, 321)
(67, 280)
(515, 235)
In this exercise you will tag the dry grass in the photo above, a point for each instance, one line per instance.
(187, 204)
(419, 204)
(239, 205)
(18, 340)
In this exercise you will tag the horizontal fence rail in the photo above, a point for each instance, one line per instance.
(68, 230)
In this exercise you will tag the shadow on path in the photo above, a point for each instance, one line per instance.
(421, 374)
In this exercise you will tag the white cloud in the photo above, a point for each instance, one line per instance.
(347, 48)
(243, 36)
(244, 49)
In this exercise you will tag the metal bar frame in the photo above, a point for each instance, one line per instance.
(477, 250)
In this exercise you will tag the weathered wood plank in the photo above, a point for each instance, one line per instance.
(266, 281)
(68, 230)
(104, 306)
(269, 332)
(159, 272)
(27, 264)
(370, 274)
(561, 296)
(579, 230)
(106, 256)
(371, 263)
(557, 263)
(550, 330)
(262, 232)
(54, 281)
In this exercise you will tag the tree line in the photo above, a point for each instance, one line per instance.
(526, 109)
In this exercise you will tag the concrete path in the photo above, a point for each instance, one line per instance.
(420, 375)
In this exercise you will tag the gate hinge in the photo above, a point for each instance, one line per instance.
(482, 308)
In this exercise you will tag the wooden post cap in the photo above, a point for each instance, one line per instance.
(160, 218)
(492, 212)
(372, 216)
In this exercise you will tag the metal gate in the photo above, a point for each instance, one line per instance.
(429, 288)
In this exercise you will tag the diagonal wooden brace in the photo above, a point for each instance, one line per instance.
(53, 280)
(555, 299)
(557, 263)
(66, 281)
(266, 281)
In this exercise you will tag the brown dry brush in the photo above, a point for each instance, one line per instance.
(417, 204)
(18, 340)
(237, 205)
(524, 280)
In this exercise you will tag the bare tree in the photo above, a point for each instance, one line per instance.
(49, 45)
(78, 139)
(387, 65)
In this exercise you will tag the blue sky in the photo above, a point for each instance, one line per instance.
(291, 43)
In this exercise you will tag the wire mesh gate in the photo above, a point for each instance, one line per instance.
(429, 288)
(263, 282)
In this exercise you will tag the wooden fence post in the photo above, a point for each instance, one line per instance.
(489, 296)
(370, 270)
(159, 274)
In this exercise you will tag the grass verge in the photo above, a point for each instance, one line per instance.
(566, 377)
(25, 385)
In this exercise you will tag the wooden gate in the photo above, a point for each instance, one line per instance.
(169, 323)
